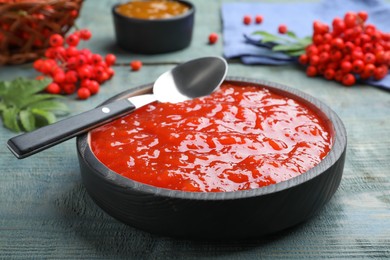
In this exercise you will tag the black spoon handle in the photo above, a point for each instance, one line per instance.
(30, 143)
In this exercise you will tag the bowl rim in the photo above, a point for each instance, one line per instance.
(336, 151)
(190, 12)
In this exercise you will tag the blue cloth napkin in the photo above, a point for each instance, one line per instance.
(239, 42)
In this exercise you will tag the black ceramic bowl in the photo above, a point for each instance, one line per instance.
(219, 215)
(154, 36)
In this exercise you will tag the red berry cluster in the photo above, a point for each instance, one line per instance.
(74, 69)
(349, 50)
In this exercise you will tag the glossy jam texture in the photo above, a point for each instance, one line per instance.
(153, 9)
(240, 137)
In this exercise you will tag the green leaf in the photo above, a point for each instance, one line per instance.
(27, 87)
(2, 107)
(23, 106)
(57, 108)
(10, 119)
(289, 47)
(27, 120)
(295, 53)
(268, 37)
(49, 117)
(4, 86)
(292, 35)
(34, 99)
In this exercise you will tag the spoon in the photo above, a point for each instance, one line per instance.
(195, 78)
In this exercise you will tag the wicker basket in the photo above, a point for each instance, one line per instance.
(25, 27)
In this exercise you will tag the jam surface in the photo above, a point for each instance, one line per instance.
(152, 9)
(238, 138)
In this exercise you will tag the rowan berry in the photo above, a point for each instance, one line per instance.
(368, 47)
(324, 57)
(110, 59)
(369, 69)
(303, 59)
(318, 39)
(110, 72)
(358, 66)
(380, 56)
(49, 53)
(56, 40)
(136, 65)
(348, 79)
(73, 40)
(369, 58)
(53, 88)
(213, 38)
(59, 52)
(258, 19)
(332, 65)
(311, 50)
(84, 72)
(84, 83)
(337, 43)
(346, 66)
(320, 28)
(71, 51)
(72, 63)
(314, 60)
(37, 65)
(85, 34)
(338, 26)
(328, 37)
(282, 29)
(380, 72)
(46, 67)
(329, 74)
(247, 19)
(363, 15)
(74, 13)
(311, 71)
(71, 76)
(59, 76)
(357, 55)
(69, 88)
(83, 93)
(96, 58)
(350, 19)
(102, 77)
(93, 87)
(336, 56)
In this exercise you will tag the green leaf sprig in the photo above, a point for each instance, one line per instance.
(24, 107)
(290, 45)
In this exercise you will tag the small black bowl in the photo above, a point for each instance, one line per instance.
(219, 215)
(154, 36)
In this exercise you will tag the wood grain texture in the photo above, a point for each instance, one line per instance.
(45, 211)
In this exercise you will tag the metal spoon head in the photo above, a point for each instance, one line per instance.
(195, 78)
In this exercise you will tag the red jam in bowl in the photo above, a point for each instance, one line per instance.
(238, 138)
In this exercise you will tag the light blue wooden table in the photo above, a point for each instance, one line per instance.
(46, 213)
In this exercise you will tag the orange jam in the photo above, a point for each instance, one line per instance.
(238, 138)
(152, 9)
